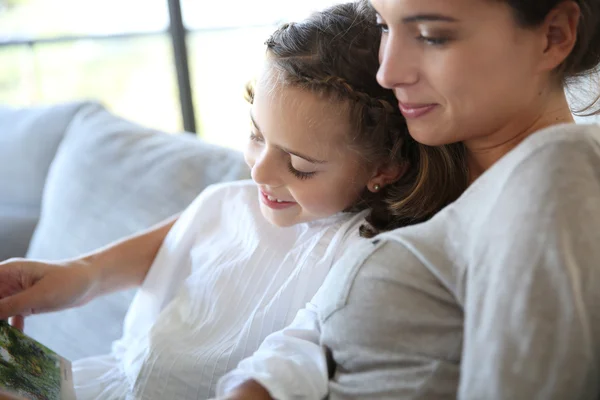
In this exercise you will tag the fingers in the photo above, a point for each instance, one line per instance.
(18, 321)
(15, 305)
(9, 396)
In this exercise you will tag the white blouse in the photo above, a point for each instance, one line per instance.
(223, 280)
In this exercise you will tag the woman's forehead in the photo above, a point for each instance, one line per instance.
(407, 10)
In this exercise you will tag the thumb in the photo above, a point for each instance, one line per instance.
(18, 321)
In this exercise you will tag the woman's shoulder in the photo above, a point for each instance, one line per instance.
(564, 138)
(546, 175)
(559, 151)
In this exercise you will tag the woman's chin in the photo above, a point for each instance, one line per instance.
(430, 134)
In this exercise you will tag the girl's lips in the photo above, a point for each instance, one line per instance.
(415, 110)
(276, 205)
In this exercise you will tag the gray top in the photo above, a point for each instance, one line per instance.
(497, 297)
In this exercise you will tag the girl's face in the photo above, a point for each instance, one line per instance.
(462, 70)
(299, 154)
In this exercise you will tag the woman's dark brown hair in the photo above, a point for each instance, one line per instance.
(584, 60)
(334, 53)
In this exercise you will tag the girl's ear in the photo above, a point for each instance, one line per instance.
(386, 174)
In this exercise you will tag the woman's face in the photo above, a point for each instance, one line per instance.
(462, 70)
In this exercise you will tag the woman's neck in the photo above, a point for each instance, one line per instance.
(484, 152)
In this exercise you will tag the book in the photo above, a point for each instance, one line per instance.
(29, 370)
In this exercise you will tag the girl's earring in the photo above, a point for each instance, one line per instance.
(376, 187)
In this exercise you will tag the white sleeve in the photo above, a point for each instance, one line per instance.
(289, 363)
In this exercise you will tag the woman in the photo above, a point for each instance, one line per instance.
(497, 296)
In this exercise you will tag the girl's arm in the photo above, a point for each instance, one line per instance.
(136, 252)
(248, 390)
(288, 364)
(29, 287)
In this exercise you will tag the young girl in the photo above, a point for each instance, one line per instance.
(330, 155)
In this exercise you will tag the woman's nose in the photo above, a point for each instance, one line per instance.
(397, 66)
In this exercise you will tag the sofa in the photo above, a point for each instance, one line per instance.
(74, 177)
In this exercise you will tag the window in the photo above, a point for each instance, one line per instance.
(124, 54)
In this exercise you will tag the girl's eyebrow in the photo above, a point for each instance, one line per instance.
(294, 153)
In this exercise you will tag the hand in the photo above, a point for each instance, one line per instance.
(249, 390)
(30, 287)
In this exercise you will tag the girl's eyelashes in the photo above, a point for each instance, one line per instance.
(255, 138)
(299, 174)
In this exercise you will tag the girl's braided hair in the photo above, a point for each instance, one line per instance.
(334, 53)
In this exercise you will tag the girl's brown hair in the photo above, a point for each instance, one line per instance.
(334, 53)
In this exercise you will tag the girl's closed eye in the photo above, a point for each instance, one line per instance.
(255, 138)
(300, 174)
(300, 168)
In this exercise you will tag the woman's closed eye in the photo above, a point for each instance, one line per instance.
(433, 40)
(383, 28)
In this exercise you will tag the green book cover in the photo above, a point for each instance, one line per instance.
(29, 370)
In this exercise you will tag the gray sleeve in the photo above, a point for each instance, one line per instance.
(393, 330)
(532, 300)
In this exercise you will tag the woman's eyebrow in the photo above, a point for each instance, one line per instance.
(294, 153)
(428, 17)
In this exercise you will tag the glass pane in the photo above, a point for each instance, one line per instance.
(17, 75)
(221, 63)
(134, 78)
(238, 13)
(43, 18)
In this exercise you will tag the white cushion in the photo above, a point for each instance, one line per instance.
(29, 138)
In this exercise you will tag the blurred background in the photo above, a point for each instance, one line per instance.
(168, 64)
(171, 65)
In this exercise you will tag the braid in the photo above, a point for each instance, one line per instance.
(336, 84)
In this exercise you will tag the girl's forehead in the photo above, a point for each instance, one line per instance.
(300, 117)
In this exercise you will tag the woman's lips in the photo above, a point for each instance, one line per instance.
(415, 110)
(274, 203)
